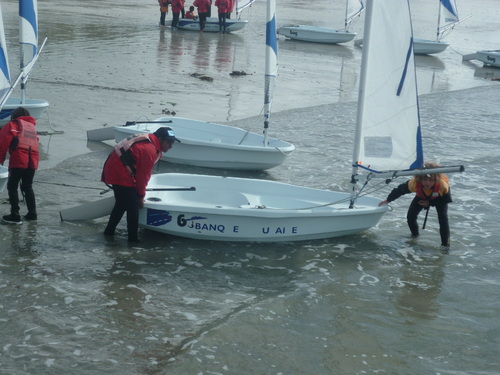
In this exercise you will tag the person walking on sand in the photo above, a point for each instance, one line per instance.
(203, 9)
(127, 171)
(222, 7)
(432, 190)
(20, 139)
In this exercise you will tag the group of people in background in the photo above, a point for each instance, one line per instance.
(204, 8)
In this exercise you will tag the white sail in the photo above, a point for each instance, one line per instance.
(388, 126)
(28, 35)
(448, 16)
(4, 62)
(271, 62)
(353, 9)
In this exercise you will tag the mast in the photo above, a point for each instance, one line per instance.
(361, 100)
(271, 64)
(438, 31)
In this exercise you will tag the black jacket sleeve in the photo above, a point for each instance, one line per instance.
(399, 191)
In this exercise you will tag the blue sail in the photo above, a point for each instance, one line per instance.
(28, 32)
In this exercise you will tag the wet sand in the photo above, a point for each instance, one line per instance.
(107, 63)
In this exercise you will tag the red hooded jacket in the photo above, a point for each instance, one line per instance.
(145, 155)
(202, 5)
(19, 138)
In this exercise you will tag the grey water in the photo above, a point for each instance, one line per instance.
(378, 302)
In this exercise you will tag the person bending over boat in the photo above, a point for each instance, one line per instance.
(432, 190)
(20, 139)
(127, 171)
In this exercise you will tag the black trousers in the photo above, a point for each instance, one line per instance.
(222, 22)
(175, 19)
(25, 177)
(202, 20)
(162, 18)
(126, 200)
(442, 211)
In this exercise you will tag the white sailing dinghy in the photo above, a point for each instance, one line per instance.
(308, 33)
(387, 143)
(207, 144)
(488, 58)
(29, 52)
(447, 19)
(212, 23)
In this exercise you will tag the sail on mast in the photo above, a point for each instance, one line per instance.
(4, 62)
(388, 135)
(28, 40)
(448, 16)
(271, 63)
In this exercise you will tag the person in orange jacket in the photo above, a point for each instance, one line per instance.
(203, 11)
(222, 7)
(432, 190)
(20, 139)
(163, 10)
(128, 169)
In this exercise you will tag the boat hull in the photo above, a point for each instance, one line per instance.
(211, 145)
(490, 58)
(35, 107)
(314, 34)
(428, 47)
(4, 176)
(212, 25)
(238, 209)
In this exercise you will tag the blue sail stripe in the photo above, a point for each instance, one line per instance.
(405, 70)
(271, 39)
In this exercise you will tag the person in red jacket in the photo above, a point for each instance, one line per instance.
(190, 13)
(203, 11)
(222, 7)
(128, 169)
(177, 8)
(20, 139)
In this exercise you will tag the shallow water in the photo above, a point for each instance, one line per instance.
(377, 302)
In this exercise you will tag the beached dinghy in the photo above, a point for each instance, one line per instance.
(488, 58)
(206, 144)
(28, 40)
(447, 19)
(212, 23)
(387, 139)
(308, 33)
